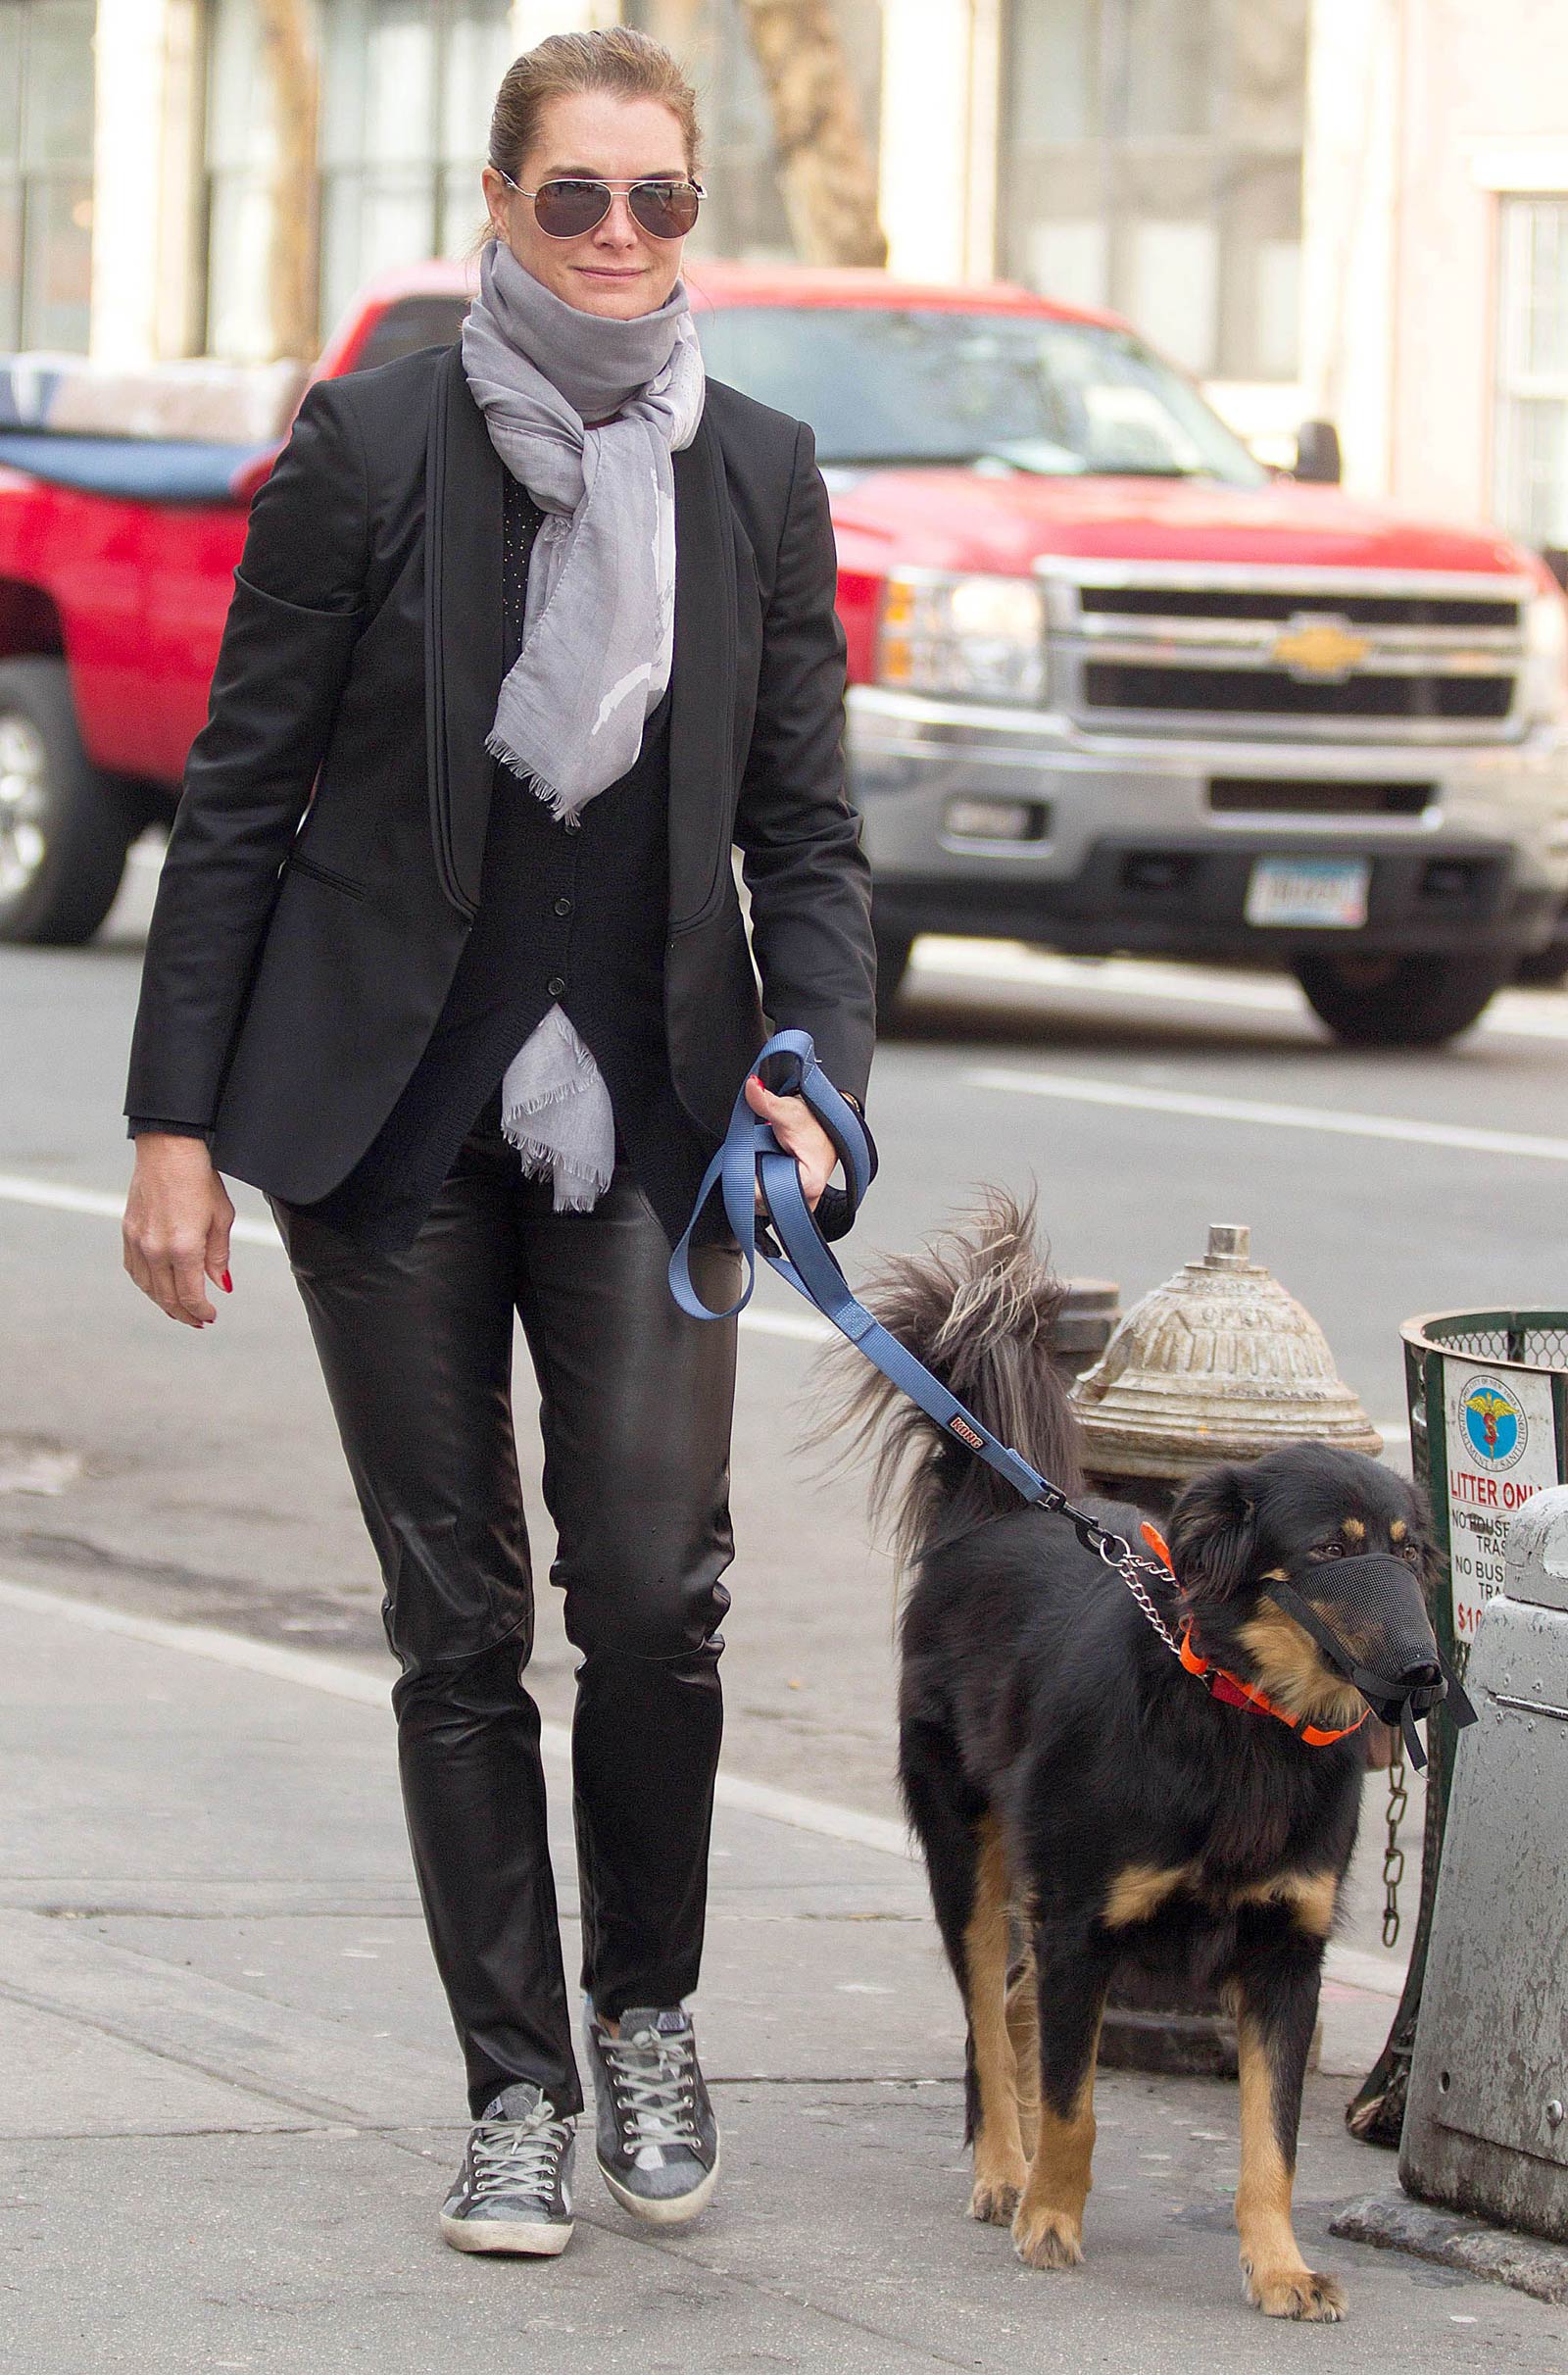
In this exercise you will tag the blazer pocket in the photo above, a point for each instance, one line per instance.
(299, 864)
(352, 617)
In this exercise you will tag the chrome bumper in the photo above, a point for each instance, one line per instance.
(918, 766)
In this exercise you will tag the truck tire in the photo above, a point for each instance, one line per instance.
(1400, 1001)
(1547, 968)
(65, 827)
(892, 949)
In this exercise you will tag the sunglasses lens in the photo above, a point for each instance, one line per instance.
(667, 209)
(564, 210)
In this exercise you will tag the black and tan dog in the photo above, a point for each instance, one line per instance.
(1072, 1786)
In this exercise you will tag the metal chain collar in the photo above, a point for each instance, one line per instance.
(1118, 1553)
(1128, 1568)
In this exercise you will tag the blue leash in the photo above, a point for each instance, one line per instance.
(751, 1154)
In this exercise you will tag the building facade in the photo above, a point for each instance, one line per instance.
(46, 173)
(1345, 208)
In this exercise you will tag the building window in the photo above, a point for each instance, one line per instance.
(1150, 161)
(407, 87)
(1531, 472)
(46, 130)
(744, 212)
(406, 91)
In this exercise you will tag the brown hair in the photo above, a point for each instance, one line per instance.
(633, 65)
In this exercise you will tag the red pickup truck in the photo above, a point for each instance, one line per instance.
(1114, 686)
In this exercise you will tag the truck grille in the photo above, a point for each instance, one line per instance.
(1329, 796)
(1361, 610)
(1269, 694)
(1315, 653)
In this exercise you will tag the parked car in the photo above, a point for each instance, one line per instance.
(1114, 686)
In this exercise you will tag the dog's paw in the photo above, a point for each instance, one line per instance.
(1295, 2293)
(1047, 2239)
(995, 2200)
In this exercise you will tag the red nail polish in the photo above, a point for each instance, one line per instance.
(228, 1285)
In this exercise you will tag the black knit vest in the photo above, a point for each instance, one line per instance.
(569, 913)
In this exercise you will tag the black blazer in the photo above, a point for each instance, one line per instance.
(295, 970)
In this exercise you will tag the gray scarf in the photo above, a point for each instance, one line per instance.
(599, 623)
(598, 637)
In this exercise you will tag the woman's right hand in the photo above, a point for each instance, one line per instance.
(175, 1230)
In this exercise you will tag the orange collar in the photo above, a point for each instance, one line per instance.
(1229, 1689)
(1232, 1692)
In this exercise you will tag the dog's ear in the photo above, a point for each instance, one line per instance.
(1213, 1534)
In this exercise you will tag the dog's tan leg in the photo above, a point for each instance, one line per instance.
(1000, 2166)
(1276, 2007)
(1072, 1980)
(1023, 2028)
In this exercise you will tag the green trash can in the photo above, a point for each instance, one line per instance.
(1488, 1399)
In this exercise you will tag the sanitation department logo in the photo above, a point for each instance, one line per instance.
(1496, 1428)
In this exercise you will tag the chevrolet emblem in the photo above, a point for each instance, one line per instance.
(1320, 649)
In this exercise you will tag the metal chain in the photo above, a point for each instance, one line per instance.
(1117, 1553)
(1394, 1853)
(1128, 1568)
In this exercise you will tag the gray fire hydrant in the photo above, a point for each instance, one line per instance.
(1219, 1363)
(1486, 2124)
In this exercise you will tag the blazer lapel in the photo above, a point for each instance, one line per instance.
(702, 676)
(463, 627)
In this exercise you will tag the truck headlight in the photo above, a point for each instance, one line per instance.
(1546, 684)
(983, 638)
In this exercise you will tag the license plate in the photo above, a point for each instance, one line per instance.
(1324, 893)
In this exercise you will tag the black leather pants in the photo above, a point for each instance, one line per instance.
(636, 1402)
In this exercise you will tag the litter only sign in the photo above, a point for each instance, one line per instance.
(1502, 1449)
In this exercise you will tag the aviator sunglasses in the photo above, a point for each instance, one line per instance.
(565, 209)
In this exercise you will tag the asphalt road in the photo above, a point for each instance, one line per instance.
(200, 1477)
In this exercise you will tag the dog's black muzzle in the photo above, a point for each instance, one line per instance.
(1381, 1598)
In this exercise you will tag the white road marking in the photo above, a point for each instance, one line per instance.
(339, 1680)
(1353, 1968)
(312, 1672)
(1071, 1089)
(1513, 1013)
(52, 1196)
(55, 1196)
(798, 1324)
(1114, 977)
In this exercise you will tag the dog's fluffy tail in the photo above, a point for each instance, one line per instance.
(979, 1305)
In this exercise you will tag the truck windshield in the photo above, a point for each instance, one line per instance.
(917, 387)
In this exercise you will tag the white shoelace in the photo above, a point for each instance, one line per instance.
(513, 2156)
(650, 2075)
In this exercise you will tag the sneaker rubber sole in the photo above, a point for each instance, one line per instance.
(533, 2238)
(671, 2213)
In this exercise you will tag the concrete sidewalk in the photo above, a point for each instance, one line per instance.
(232, 2097)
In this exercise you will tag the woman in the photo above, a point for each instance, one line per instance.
(547, 623)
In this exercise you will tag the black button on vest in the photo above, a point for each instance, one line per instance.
(569, 913)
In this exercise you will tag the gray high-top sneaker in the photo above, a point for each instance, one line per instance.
(657, 2135)
(513, 2190)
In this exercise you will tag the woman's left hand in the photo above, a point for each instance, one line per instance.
(799, 1133)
